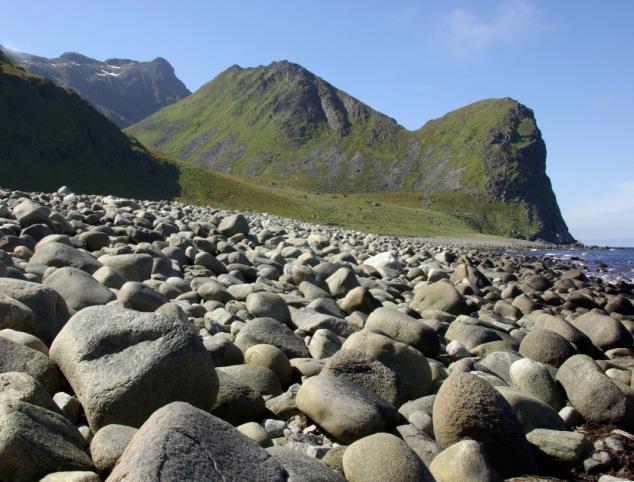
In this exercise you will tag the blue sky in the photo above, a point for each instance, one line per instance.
(571, 62)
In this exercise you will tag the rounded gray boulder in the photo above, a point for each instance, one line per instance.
(182, 442)
(344, 410)
(123, 364)
(547, 347)
(383, 457)
(272, 332)
(593, 394)
(411, 365)
(468, 407)
(604, 331)
(108, 444)
(268, 305)
(78, 288)
(367, 372)
(49, 308)
(35, 441)
(405, 329)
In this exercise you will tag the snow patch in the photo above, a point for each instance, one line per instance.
(104, 73)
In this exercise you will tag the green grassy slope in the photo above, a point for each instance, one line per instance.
(484, 163)
(49, 137)
(276, 122)
(379, 213)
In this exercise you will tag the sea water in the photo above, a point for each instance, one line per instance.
(610, 264)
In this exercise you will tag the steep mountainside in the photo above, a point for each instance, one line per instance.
(484, 163)
(49, 136)
(125, 91)
(280, 122)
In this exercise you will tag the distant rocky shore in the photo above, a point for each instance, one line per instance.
(163, 341)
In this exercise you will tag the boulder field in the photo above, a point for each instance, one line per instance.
(164, 341)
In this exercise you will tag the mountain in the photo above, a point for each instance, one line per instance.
(484, 163)
(125, 91)
(50, 136)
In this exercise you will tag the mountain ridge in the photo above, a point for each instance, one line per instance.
(124, 90)
(283, 123)
(50, 136)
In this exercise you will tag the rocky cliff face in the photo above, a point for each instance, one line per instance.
(492, 150)
(484, 162)
(125, 91)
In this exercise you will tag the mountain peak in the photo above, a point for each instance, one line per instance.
(124, 90)
(484, 162)
(77, 58)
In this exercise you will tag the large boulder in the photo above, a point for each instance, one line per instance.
(132, 266)
(237, 403)
(441, 296)
(15, 315)
(35, 441)
(464, 461)
(235, 224)
(324, 343)
(19, 358)
(272, 332)
(471, 274)
(560, 326)
(530, 411)
(123, 364)
(108, 444)
(359, 299)
(270, 357)
(341, 282)
(546, 346)
(182, 442)
(78, 288)
(49, 308)
(471, 334)
(382, 457)
(28, 212)
(411, 365)
(25, 339)
(537, 380)
(559, 447)
(604, 331)
(368, 372)
(468, 407)
(141, 297)
(60, 255)
(593, 394)
(343, 409)
(22, 387)
(262, 379)
(401, 327)
(268, 305)
(302, 467)
(214, 291)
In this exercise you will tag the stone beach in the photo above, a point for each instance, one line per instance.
(154, 340)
